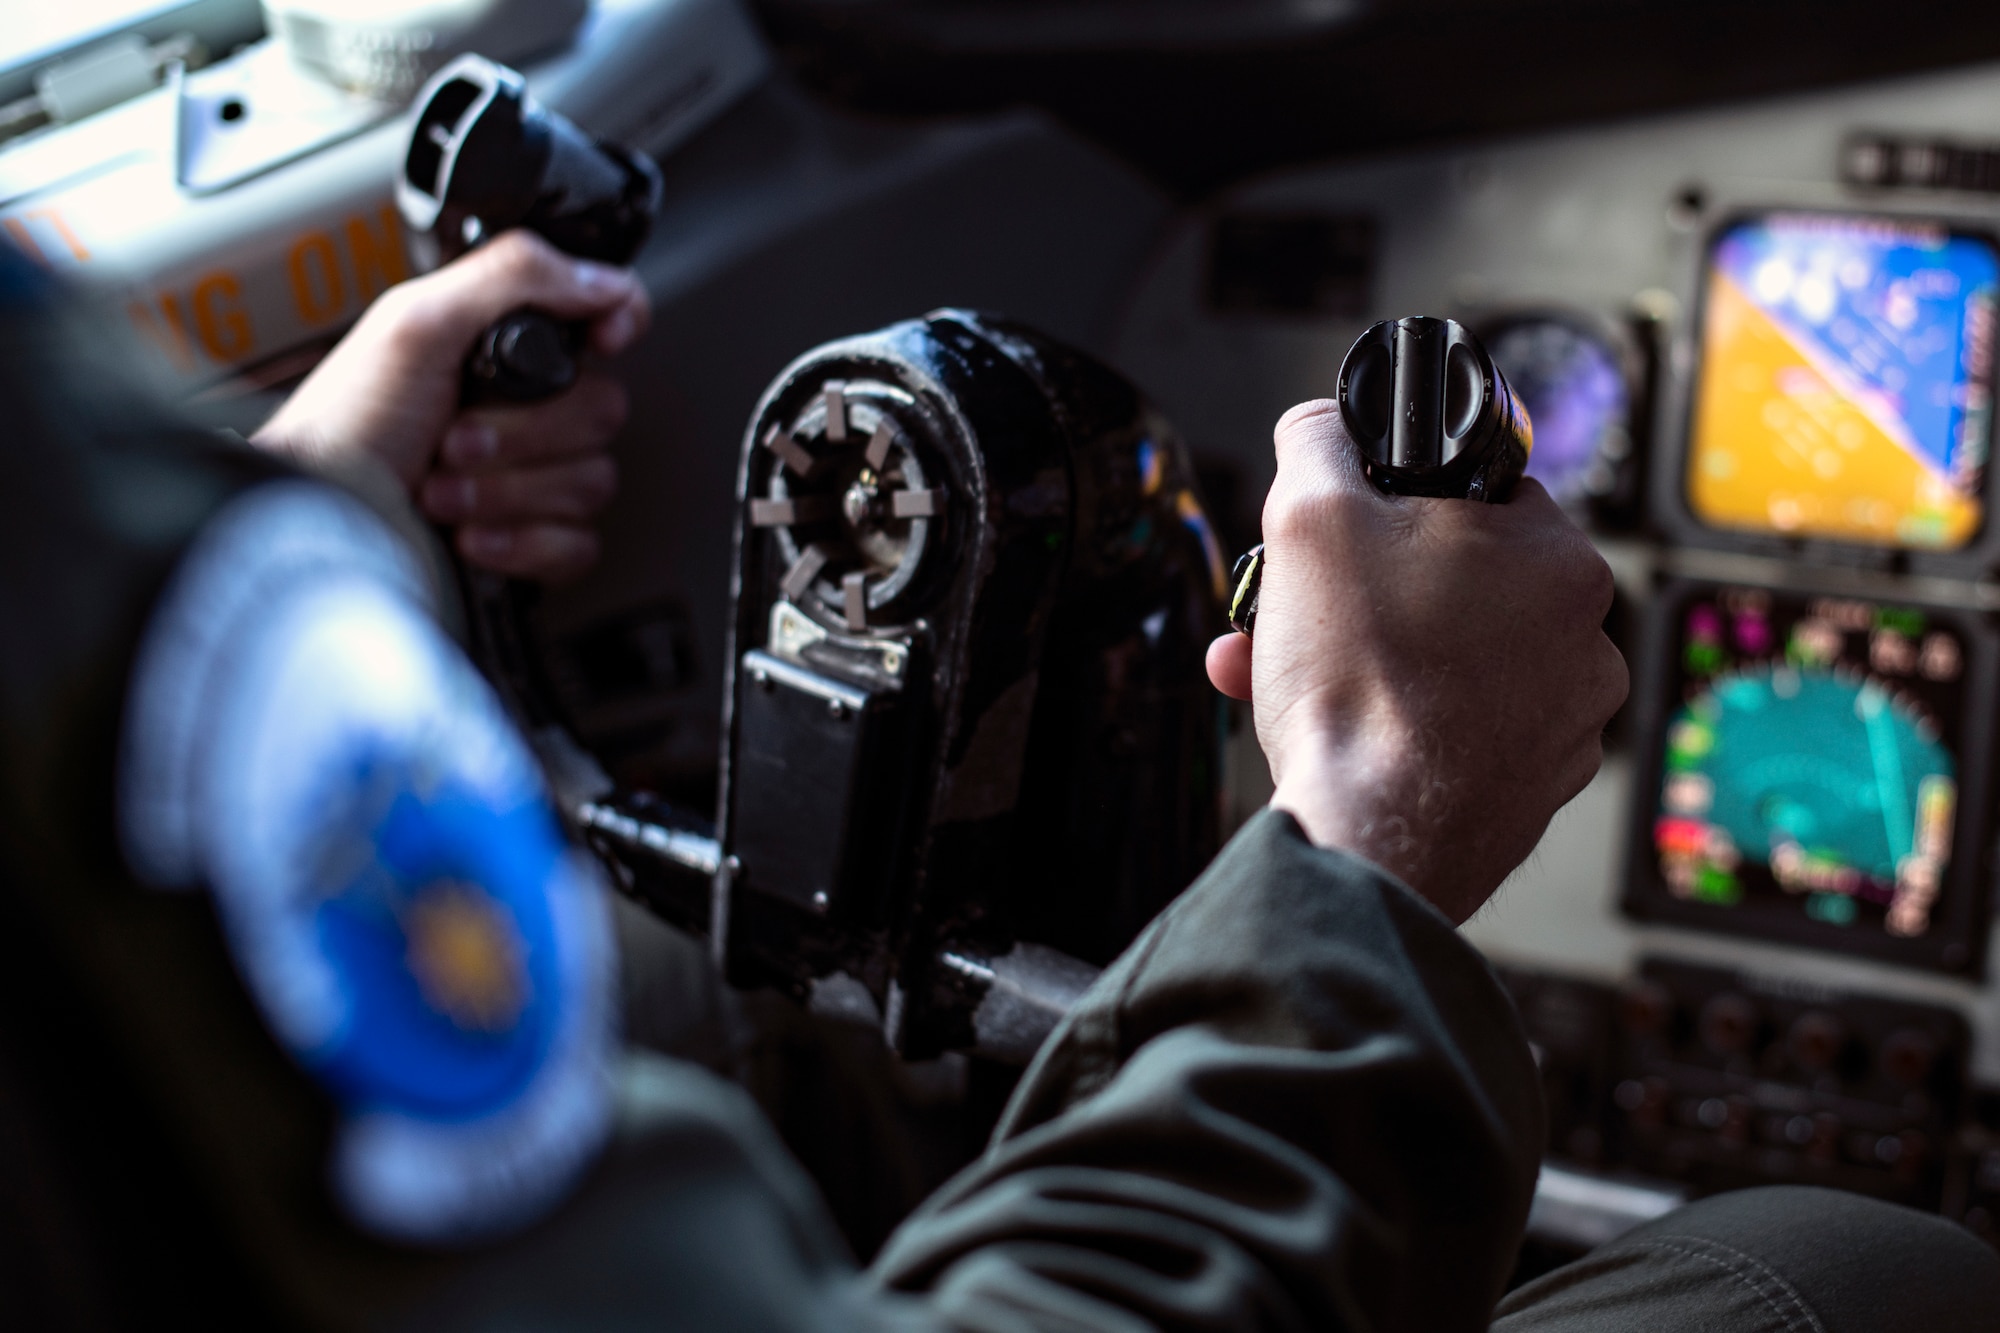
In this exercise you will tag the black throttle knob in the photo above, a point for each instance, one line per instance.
(524, 357)
(1431, 413)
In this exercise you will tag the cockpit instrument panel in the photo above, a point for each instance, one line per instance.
(1780, 352)
(1577, 384)
(1844, 391)
(1817, 772)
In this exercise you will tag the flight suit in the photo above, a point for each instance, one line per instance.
(1300, 1101)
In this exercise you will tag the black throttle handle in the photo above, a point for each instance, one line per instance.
(483, 158)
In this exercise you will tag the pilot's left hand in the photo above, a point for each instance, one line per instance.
(519, 484)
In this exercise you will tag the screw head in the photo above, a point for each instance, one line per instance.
(858, 505)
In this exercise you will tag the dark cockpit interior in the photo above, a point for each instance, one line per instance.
(971, 320)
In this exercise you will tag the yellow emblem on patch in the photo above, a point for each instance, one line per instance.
(466, 956)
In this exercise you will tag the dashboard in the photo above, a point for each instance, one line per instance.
(1757, 344)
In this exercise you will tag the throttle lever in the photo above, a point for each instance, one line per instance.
(483, 158)
(1430, 414)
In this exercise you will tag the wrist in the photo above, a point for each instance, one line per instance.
(1370, 794)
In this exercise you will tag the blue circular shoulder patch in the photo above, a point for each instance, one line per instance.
(395, 889)
(444, 946)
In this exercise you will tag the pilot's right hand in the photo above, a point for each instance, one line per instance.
(1430, 678)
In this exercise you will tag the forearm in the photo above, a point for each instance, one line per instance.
(1299, 1100)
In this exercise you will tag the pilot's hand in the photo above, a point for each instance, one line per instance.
(1430, 678)
(519, 483)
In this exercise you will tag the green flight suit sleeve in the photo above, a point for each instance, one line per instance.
(1300, 1100)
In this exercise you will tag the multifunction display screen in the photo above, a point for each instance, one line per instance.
(1809, 781)
(1844, 389)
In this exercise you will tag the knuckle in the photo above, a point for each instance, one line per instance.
(1303, 417)
(428, 324)
(1610, 682)
(1311, 436)
(516, 246)
(1295, 514)
(521, 266)
(1618, 678)
(408, 314)
(1589, 759)
(520, 258)
(1580, 577)
(1598, 584)
(392, 306)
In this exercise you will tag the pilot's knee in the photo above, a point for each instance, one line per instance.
(1857, 1263)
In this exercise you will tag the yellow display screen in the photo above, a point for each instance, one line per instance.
(1845, 385)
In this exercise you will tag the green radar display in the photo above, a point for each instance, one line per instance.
(1834, 786)
(1809, 781)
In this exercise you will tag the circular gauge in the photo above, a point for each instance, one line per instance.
(1836, 783)
(1574, 385)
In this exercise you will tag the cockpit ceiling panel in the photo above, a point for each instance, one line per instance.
(1204, 92)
